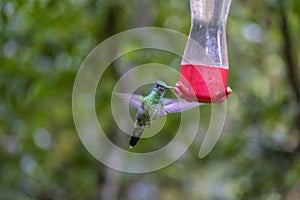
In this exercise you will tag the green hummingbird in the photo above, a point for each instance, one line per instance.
(152, 106)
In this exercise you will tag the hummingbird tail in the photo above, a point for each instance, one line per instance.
(136, 136)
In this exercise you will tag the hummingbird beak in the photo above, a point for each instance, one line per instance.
(169, 87)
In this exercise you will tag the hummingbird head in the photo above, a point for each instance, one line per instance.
(160, 85)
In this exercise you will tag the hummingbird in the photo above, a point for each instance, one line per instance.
(152, 106)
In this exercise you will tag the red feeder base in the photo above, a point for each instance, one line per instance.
(203, 83)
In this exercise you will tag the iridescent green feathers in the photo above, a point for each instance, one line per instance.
(153, 106)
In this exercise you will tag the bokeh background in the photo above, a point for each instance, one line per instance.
(42, 44)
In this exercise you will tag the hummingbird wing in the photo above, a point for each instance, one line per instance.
(175, 106)
(134, 99)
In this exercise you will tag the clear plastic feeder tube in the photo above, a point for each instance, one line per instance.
(204, 66)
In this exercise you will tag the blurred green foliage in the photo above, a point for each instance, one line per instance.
(41, 157)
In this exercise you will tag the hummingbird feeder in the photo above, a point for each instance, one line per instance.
(204, 66)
